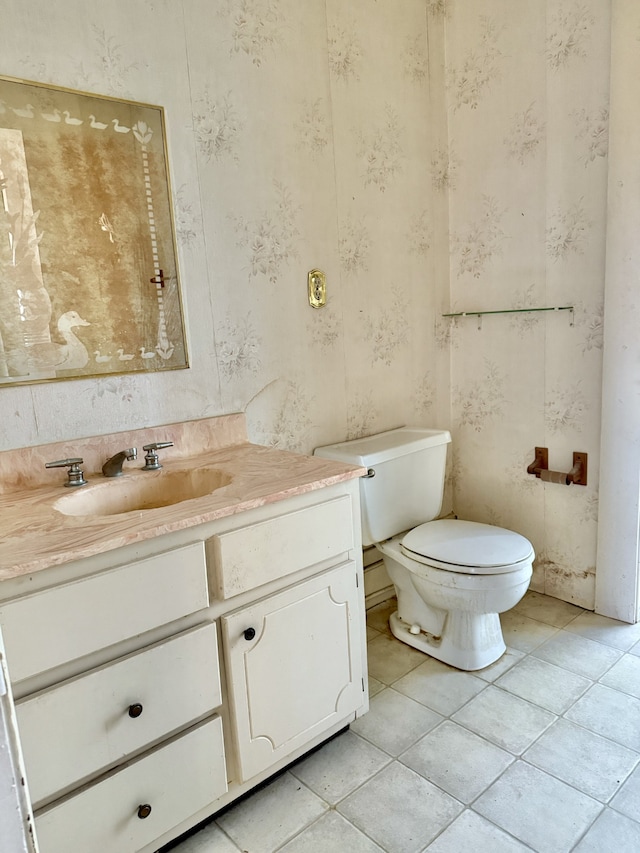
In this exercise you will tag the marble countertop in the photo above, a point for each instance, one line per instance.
(35, 536)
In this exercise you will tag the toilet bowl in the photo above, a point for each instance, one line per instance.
(452, 578)
(448, 609)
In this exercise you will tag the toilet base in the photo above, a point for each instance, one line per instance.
(469, 641)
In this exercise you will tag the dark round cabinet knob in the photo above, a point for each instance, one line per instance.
(144, 811)
(134, 711)
(250, 633)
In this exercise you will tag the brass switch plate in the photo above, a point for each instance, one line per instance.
(317, 284)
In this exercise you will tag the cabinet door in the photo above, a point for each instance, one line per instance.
(295, 667)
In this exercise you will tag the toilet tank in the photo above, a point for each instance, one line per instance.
(407, 485)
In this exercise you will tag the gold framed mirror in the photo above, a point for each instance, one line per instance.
(88, 268)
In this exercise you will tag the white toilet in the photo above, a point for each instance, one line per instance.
(452, 577)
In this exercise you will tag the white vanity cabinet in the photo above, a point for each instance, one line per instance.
(105, 768)
(156, 683)
(295, 664)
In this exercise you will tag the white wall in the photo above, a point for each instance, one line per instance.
(617, 591)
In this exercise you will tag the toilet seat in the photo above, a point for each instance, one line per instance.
(467, 547)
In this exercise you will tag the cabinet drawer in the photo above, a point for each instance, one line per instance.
(254, 555)
(49, 628)
(176, 780)
(85, 725)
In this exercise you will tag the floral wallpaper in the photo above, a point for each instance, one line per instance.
(294, 143)
(527, 97)
(333, 135)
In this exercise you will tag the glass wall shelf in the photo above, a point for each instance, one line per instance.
(507, 311)
(481, 314)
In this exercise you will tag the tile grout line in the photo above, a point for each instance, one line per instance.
(519, 757)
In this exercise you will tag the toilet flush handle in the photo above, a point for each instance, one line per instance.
(370, 473)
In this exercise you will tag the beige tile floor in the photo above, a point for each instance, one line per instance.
(540, 751)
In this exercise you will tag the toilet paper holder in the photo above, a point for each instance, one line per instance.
(540, 468)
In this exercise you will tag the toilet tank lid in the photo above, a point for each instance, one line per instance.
(383, 446)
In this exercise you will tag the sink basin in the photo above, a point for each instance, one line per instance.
(141, 491)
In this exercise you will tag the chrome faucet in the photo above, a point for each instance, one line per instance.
(113, 467)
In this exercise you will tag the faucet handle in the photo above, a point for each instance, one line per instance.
(75, 474)
(152, 463)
